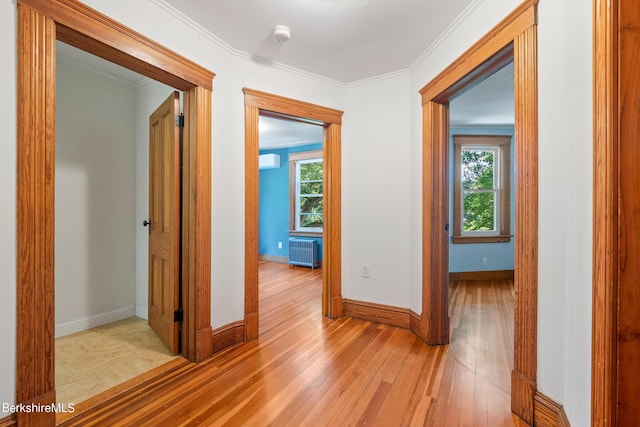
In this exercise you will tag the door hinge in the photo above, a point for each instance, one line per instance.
(178, 315)
(180, 121)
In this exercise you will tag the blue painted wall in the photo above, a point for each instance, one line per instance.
(274, 204)
(468, 256)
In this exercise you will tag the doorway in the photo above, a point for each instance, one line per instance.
(513, 39)
(291, 224)
(257, 103)
(481, 245)
(72, 22)
(101, 334)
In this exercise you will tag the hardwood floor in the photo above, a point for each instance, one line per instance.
(476, 385)
(309, 370)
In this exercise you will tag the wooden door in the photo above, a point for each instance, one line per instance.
(164, 215)
(629, 217)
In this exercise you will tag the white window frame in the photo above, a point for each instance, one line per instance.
(500, 145)
(495, 190)
(295, 160)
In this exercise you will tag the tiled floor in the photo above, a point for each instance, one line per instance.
(92, 361)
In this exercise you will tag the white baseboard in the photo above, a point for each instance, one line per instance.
(94, 321)
(142, 312)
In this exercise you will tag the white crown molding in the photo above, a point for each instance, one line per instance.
(194, 25)
(265, 61)
(143, 81)
(445, 34)
(98, 71)
(381, 77)
(249, 57)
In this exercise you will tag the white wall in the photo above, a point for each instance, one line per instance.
(375, 185)
(566, 205)
(7, 201)
(95, 199)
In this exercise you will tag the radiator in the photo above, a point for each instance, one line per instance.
(303, 252)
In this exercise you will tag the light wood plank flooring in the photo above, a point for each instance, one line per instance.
(306, 370)
(476, 385)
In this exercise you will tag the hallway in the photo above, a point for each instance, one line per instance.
(309, 370)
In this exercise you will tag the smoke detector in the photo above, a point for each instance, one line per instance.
(281, 33)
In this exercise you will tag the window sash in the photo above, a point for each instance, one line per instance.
(299, 214)
(495, 190)
(495, 229)
(496, 163)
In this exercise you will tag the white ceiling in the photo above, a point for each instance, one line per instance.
(345, 40)
(489, 103)
(279, 133)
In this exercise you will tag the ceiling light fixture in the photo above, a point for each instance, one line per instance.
(281, 33)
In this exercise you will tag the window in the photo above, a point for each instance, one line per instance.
(306, 188)
(481, 193)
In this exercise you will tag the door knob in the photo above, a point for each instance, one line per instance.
(147, 223)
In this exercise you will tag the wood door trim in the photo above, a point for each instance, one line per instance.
(117, 43)
(39, 23)
(605, 213)
(280, 105)
(196, 224)
(9, 421)
(435, 207)
(35, 206)
(257, 102)
(332, 245)
(516, 37)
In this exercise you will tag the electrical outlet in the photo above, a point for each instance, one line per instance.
(484, 260)
(366, 271)
(279, 245)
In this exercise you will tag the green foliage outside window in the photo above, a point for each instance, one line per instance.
(310, 195)
(478, 190)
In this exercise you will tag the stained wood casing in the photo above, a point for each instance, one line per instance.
(257, 103)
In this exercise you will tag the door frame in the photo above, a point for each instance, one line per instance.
(40, 23)
(256, 102)
(514, 38)
(606, 176)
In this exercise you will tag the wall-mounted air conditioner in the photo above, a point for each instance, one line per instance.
(269, 161)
